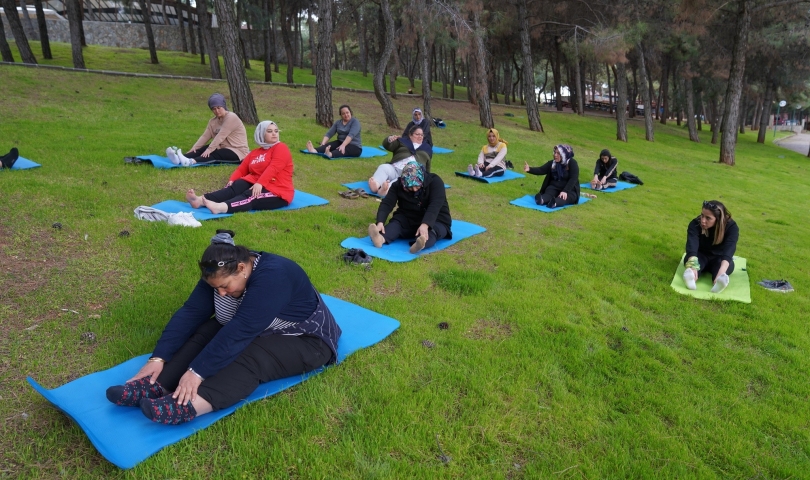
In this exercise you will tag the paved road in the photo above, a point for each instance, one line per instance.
(798, 143)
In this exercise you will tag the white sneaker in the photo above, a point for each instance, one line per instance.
(185, 219)
(172, 154)
(689, 279)
(720, 284)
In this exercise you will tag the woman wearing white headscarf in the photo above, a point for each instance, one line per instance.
(418, 121)
(262, 182)
(561, 185)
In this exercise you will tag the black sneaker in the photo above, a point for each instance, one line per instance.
(777, 285)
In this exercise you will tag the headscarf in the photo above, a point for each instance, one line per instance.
(499, 142)
(413, 174)
(417, 109)
(258, 135)
(217, 100)
(566, 154)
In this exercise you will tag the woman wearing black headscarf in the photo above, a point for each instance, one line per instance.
(561, 185)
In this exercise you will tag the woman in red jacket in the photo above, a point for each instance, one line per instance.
(263, 180)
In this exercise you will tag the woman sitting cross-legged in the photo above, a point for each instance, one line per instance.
(604, 174)
(418, 121)
(422, 210)
(405, 149)
(348, 143)
(253, 317)
(491, 158)
(561, 185)
(262, 182)
(711, 240)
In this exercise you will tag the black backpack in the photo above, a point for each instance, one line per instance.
(630, 178)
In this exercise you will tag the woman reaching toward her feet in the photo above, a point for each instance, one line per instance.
(491, 158)
(253, 317)
(348, 142)
(262, 182)
(604, 175)
(406, 149)
(561, 185)
(711, 240)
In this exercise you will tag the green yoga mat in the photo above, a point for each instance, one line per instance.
(738, 290)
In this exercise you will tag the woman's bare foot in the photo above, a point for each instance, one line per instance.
(383, 191)
(373, 185)
(328, 152)
(310, 148)
(193, 199)
(215, 207)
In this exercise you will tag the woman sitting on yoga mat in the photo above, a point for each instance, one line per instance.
(561, 185)
(262, 182)
(406, 149)
(223, 342)
(491, 158)
(348, 142)
(422, 210)
(711, 240)
(604, 175)
(227, 134)
(418, 121)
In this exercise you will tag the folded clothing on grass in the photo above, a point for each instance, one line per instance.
(399, 251)
(528, 202)
(738, 289)
(367, 152)
(300, 200)
(125, 437)
(507, 175)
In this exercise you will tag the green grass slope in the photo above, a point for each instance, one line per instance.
(568, 354)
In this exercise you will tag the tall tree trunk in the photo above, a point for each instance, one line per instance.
(312, 54)
(766, 112)
(323, 72)
(645, 95)
(178, 10)
(453, 73)
(578, 79)
(425, 70)
(43, 30)
(382, 62)
(443, 60)
(74, 22)
(731, 104)
(10, 8)
(620, 72)
(268, 47)
(634, 96)
(162, 11)
(5, 48)
(715, 120)
(690, 109)
(204, 21)
(532, 110)
(241, 96)
(663, 91)
(361, 40)
(484, 110)
(507, 83)
(743, 111)
(146, 11)
(557, 74)
(299, 41)
(393, 70)
(285, 20)
(273, 37)
(28, 25)
(200, 39)
(610, 91)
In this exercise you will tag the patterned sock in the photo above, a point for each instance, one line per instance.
(165, 410)
(131, 393)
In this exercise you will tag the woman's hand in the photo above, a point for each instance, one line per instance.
(151, 368)
(381, 227)
(526, 167)
(230, 182)
(186, 390)
(391, 138)
(206, 153)
(563, 195)
(422, 231)
(256, 190)
(342, 149)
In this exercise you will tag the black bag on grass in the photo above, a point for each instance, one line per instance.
(630, 178)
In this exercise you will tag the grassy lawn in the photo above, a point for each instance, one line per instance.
(185, 64)
(568, 354)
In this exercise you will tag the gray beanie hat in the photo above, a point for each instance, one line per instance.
(217, 100)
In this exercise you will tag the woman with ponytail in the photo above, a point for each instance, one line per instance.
(253, 317)
(711, 240)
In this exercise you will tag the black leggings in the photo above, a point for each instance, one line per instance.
(711, 264)
(239, 198)
(351, 150)
(492, 172)
(551, 199)
(265, 359)
(220, 155)
(395, 230)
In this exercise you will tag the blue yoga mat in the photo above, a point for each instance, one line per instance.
(23, 163)
(125, 437)
(300, 200)
(440, 150)
(528, 202)
(619, 187)
(367, 152)
(364, 186)
(507, 175)
(163, 162)
(398, 251)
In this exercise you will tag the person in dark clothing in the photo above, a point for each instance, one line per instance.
(561, 185)
(8, 160)
(711, 240)
(405, 149)
(253, 317)
(422, 210)
(604, 175)
(418, 121)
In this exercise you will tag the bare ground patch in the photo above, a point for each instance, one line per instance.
(488, 329)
